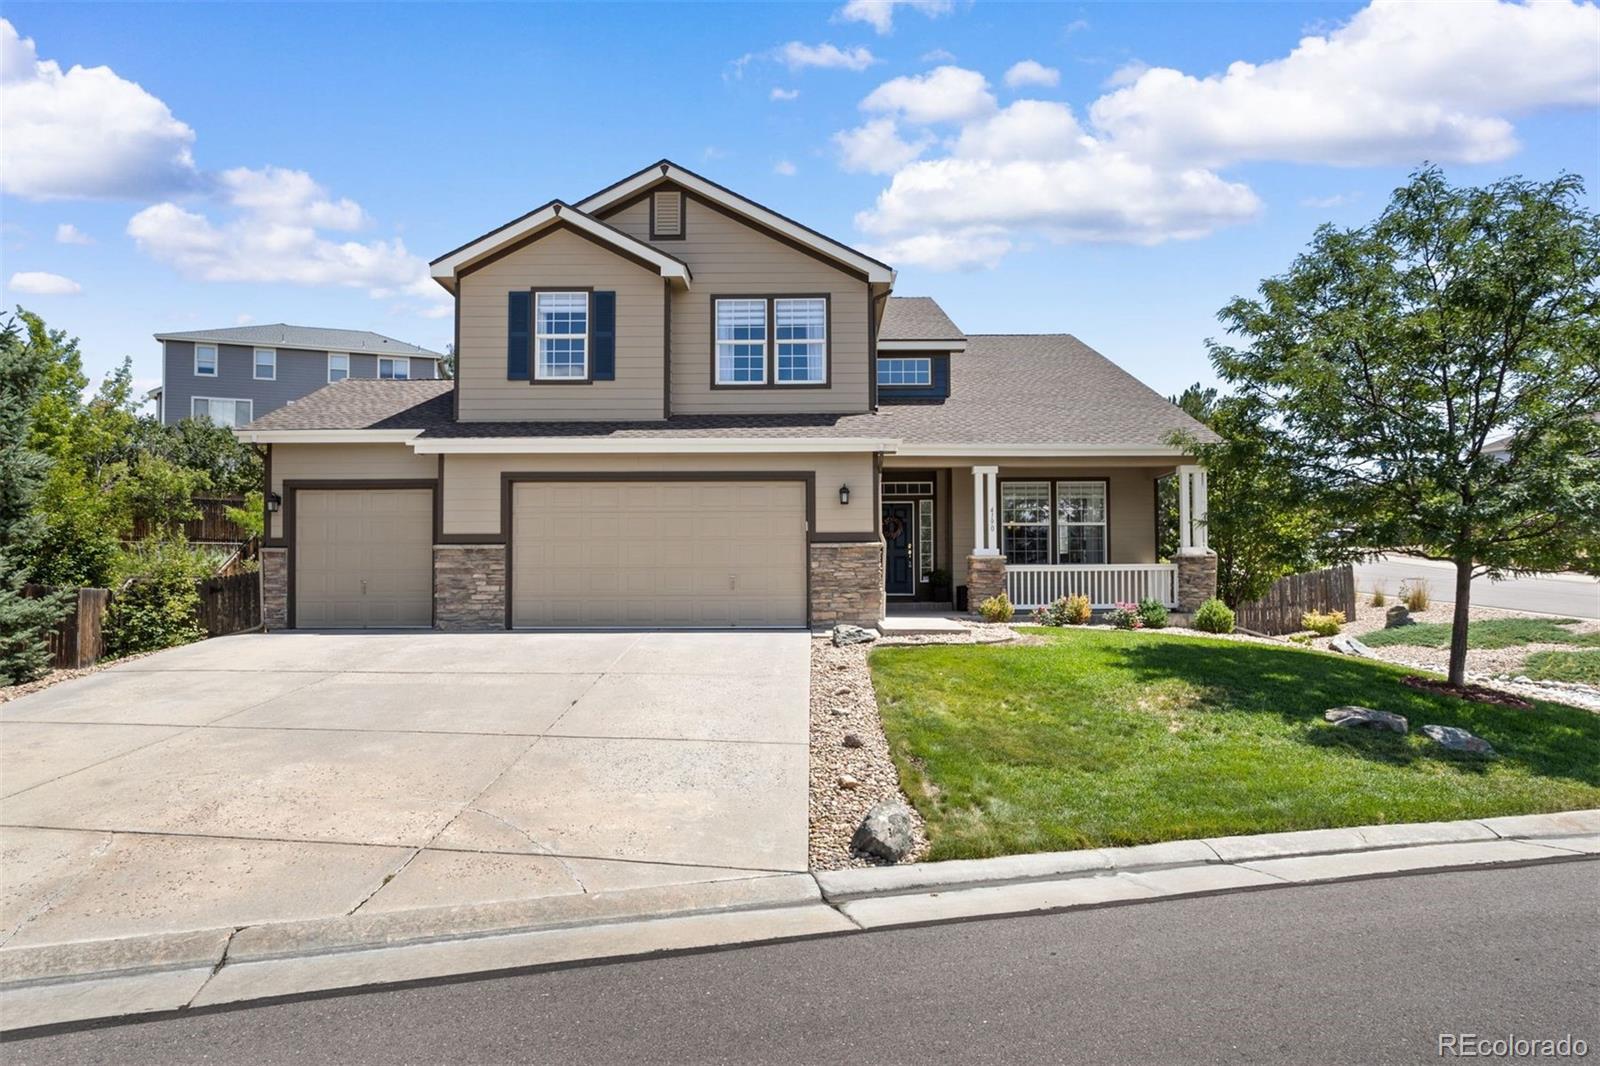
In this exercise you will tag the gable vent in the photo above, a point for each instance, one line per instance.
(666, 214)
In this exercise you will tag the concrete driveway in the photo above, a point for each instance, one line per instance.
(263, 778)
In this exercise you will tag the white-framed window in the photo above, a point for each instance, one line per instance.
(741, 342)
(1080, 522)
(266, 364)
(908, 488)
(801, 326)
(924, 540)
(1025, 521)
(561, 336)
(222, 411)
(338, 366)
(205, 360)
(905, 372)
(394, 368)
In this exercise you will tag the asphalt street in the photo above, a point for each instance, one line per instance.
(1359, 972)
(1570, 595)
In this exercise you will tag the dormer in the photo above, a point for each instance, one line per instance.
(911, 360)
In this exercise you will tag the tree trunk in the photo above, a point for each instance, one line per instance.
(1458, 624)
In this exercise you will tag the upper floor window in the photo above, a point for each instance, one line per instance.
(741, 355)
(802, 334)
(266, 364)
(561, 336)
(394, 368)
(205, 360)
(223, 412)
(905, 372)
(338, 366)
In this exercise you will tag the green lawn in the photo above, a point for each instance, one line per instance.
(1580, 666)
(1495, 633)
(1101, 738)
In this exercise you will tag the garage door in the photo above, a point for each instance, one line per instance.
(674, 553)
(363, 558)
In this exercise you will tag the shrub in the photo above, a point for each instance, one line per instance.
(1299, 638)
(1125, 616)
(1064, 611)
(1379, 597)
(1414, 594)
(1153, 613)
(997, 608)
(24, 622)
(157, 606)
(1323, 625)
(251, 517)
(1214, 616)
(1078, 610)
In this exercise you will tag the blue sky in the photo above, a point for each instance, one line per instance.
(299, 163)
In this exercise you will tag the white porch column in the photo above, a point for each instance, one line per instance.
(985, 510)
(1192, 536)
(1202, 537)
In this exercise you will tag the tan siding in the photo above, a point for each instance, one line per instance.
(345, 462)
(729, 257)
(561, 259)
(472, 482)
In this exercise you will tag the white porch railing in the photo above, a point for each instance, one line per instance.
(1106, 584)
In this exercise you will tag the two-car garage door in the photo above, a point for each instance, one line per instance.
(658, 553)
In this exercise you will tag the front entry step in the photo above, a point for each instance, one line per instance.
(919, 625)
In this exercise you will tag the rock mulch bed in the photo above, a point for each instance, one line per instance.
(55, 677)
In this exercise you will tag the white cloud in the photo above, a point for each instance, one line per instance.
(67, 233)
(798, 56)
(965, 249)
(1338, 199)
(938, 55)
(290, 196)
(39, 283)
(1027, 129)
(877, 147)
(85, 132)
(1032, 72)
(879, 14)
(785, 168)
(783, 94)
(1398, 83)
(944, 94)
(243, 319)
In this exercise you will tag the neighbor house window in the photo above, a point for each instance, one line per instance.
(741, 342)
(1080, 522)
(561, 336)
(393, 369)
(802, 336)
(893, 372)
(222, 412)
(205, 360)
(338, 366)
(1025, 521)
(266, 364)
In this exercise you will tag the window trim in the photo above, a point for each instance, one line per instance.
(588, 335)
(926, 360)
(216, 360)
(1055, 516)
(770, 377)
(1049, 516)
(393, 359)
(225, 399)
(683, 211)
(255, 364)
(1054, 552)
(340, 355)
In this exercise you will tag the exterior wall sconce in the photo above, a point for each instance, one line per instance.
(844, 495)
(274, 501)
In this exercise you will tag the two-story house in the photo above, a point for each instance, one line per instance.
(240, 373)
(677, 407)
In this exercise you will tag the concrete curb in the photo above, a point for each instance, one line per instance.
(72, 983)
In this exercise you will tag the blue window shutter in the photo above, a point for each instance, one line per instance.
(519, 322)
(603, 335)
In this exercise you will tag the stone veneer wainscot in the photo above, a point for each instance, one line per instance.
(469, 586)
(275, 588)
(847, 583)
(986, 576)
(1197, 579)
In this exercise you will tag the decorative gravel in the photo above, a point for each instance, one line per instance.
(55, 677)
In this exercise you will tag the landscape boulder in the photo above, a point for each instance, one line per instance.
(1454, 739)
(1365, 718)
(843, 635)
(885, 833)
(1350, 646)
(1397, 616)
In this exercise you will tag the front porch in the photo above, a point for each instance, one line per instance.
(1039, 529)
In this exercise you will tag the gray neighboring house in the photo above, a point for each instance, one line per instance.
(240, 373)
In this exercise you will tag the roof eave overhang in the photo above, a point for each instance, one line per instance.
(875, 272)
(1052, 451)
(447, 268)
(647, 445)
(921, 346)
(327, 436)
(276, 345)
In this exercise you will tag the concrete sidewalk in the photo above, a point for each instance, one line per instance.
(70, 983)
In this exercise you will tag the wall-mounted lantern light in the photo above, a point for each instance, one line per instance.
(274, 501)
(844, 495)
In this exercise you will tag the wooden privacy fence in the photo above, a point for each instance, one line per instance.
(229, 604)
(1279, 611)
(212, 525)
(78, 640)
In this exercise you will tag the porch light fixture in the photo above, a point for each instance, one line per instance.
(274, 501)
(844, 495)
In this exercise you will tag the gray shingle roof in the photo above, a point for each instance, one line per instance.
(1005, 389)
(916, 318)
(314, 338)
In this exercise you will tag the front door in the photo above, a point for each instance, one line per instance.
(899, 538)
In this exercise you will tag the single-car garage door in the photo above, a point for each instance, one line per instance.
(658, 553)
(363, 558)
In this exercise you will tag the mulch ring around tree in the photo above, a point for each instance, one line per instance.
(1475, 693)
